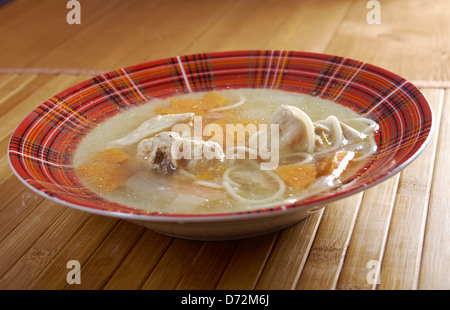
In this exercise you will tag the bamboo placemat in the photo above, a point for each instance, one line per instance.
(392, 236)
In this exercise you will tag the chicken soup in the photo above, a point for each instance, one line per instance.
(224, 151)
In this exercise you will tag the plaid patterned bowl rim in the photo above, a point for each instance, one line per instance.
(41, 148)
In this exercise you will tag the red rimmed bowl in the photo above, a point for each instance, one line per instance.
(41, 148)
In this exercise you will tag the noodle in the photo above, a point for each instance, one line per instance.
(232, 192)
(209, 184)
(372, 125)
(240, 102)
(337, 131)
(308, 158)
(186, 173)
(372, 149)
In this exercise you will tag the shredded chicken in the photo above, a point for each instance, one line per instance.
(296, 129)
(330, 133)
(156, 152)
(167, 150)
(351, 134)
(151, 127)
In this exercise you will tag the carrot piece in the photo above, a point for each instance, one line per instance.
(103, 176)
(212, 172)
(164, 111)
(115, 156)
(107, 171)
(297, 176)
(187, 105)
(198, 106)
(335, 164)
(213, 100)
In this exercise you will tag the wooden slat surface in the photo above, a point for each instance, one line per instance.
(392, 236)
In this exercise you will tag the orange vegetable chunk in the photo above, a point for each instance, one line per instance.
(200, 106)
(104, 176)
(116, 156)
(187, 105)
(297, 176)
(214, 100)
(164, 111)
(335, 164)
(107, 171)
(212, 172)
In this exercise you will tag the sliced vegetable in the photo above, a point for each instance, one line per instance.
(336, 164)
(297, 176)
(198, 106)
(115, 156)
(107, 171)
(212, 172)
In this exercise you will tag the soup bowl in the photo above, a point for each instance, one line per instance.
(41, 148)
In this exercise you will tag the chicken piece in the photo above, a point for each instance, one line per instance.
(167, 150)
(322, 133)
(153, 126)
(200, 154)
(332, 127)
(156, 152)
(296, 129)
(351, 134)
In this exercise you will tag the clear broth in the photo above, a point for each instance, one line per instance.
(177, 193)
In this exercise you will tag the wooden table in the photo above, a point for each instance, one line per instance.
(398, 230)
